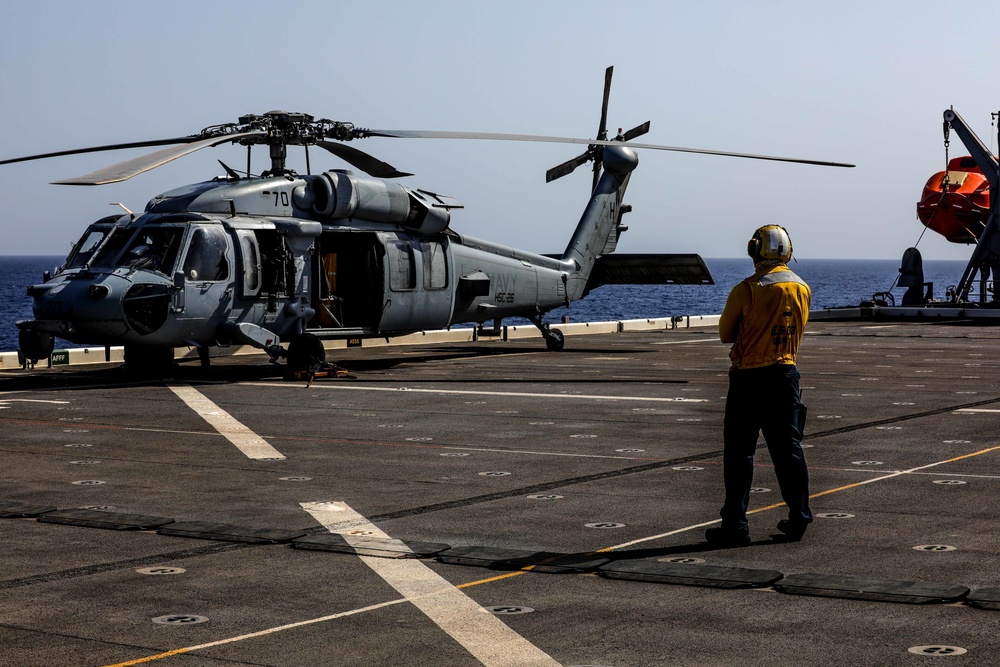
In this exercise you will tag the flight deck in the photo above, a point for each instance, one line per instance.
(493, 503)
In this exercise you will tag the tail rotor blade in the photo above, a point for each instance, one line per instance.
(602, 131)
(566, 167)
(636, 131)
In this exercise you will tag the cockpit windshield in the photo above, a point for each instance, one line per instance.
(150, 247)
(153, 248)
(85, 248)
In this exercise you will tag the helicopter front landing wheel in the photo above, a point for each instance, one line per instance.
(554, 340)
(305, 352)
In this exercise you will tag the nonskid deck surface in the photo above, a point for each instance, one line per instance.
(555, 504)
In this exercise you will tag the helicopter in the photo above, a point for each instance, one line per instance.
(281, 261)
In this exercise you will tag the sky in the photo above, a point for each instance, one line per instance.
(850, 81)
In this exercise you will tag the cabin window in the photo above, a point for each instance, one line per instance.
(435, 269)
(251, 263)
(206, 256)
(402, 273)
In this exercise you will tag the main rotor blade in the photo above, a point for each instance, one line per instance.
(493, 136)
(97, 149)
(123, 171)
(602, 131)
(566, 167)
(363, 161)
(636, 131)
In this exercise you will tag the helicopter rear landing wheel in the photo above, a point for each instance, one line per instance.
(554, 340)
(305, 352)
(149, 359)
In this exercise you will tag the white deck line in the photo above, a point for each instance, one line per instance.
(245, 440)
(462, 392)
(483, 635)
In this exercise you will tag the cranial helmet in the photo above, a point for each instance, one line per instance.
(770, 242)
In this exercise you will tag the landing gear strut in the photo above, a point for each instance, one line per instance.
(554, 339)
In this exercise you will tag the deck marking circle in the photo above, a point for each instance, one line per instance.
(827, 416)
(506, 412)
(161, 570)
(454, 454)
(583, 435)
(687, 468)
(419, 439)
(903, 403)
(682, 560)
(760, 489)
(866, 463)
(549, 496)
(76, 430)
(494, 473)
(937, 649)
(541, 423)
(689, 419)
(295, 479)
(604, 524)
(957, 442)
(508, 609)
(889, 428)
(84, 463)
(180, 619)
(390, 426)
(950, 481)
(98, 508)
(630, 450)
(270, 458)
(77, 444)
(935, 548)
(88, 482)
(834, 515)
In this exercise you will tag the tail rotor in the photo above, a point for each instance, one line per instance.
(595, 152)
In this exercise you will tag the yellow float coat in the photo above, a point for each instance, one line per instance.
(764, 318)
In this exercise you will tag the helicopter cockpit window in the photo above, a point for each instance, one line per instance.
(113, 247)
(86, 247)
(402, 273)
(435, 270)
(153, 248)
(206, 256)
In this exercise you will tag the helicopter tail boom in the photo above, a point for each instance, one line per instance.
(601, 219)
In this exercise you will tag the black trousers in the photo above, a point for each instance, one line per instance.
(764, 399)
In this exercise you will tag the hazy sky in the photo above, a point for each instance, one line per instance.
(854, 81)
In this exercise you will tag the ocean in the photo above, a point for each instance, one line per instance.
(834, 282)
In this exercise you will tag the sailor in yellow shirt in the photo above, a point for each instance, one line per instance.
(764, 318)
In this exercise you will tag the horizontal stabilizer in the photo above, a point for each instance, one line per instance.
(650, 269)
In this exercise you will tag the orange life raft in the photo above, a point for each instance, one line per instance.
(958, 210)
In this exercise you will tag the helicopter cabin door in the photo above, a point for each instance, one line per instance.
(419, 294)
(208, 282)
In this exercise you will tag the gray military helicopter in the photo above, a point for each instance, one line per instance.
(281, 261)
